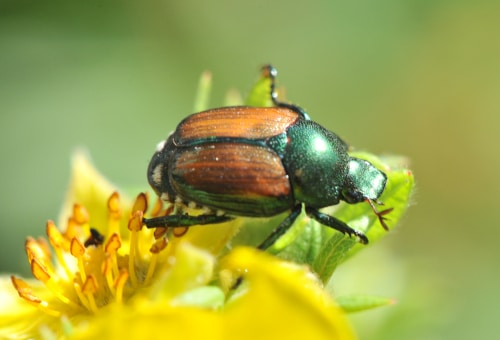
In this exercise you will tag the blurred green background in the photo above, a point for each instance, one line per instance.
(417, 78)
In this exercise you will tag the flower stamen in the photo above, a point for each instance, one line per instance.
(119, 285)
(26, 293)
(81, 296)
(114, 209)
(134, 225)
(155, 249)
(141, 203)
(81, 219)
(72, 230)
(41, 274)
(112, 245)
(160, 232)
(107, 271)
(157, 211)
(39, 271)
(59, 244)
(80, 214)
(77, 249)
(36, 249)
(89, 288)
(157, 207)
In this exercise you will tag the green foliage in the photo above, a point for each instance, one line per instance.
(259, 94)
(357, 303)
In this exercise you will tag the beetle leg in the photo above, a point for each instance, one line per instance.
(269, 71)
(281, 229)
(336, 224)
(276, 234)
(183, 220)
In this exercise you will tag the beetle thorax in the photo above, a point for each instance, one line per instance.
(317, 163)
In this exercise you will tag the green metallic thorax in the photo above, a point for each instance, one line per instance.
(316, 161)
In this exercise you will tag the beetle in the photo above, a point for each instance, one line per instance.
(259, 162)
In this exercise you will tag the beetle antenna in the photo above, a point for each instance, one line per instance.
(380, 214)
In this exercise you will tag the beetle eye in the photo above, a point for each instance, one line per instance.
(352, 196)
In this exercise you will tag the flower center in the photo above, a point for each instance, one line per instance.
(94, 266)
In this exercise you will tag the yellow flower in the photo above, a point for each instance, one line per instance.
(105, 275)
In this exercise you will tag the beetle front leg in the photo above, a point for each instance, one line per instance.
(184, 220)
(336, 224)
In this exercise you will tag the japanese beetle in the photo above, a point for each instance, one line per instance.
(259, 162)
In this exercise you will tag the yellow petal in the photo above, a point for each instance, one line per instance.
(283, 300)
(154, 322)
(90, 189)
(279, 301)
(193, 268)
(212, 238)
(17, 316)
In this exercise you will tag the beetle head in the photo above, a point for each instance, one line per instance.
(363, 182)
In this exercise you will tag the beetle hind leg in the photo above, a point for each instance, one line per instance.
(184, 220)
(336, 224)
(269, 71)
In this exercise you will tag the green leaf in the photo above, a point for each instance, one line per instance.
(233, 98)
(202, 99)
(260, 94)
(301, 244)
(358, 303)
(338, 247)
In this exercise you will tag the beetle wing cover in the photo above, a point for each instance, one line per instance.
(239, 178)
(236, 122)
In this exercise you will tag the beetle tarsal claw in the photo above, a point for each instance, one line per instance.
(380, 214)
(362, 238)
